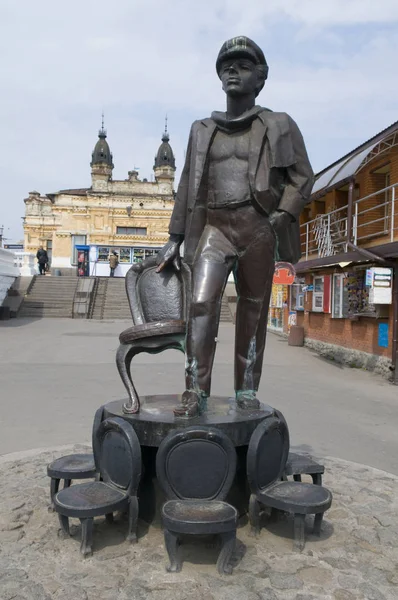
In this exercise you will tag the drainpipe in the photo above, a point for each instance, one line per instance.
(349, 211)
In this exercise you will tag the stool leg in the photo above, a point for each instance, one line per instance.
(254, 514)
(299, 536)
(109, 518)
(318, 524)
(133, 518)
(54, 487)
(87, 537)
(297, 477)
(224, 559)
(67, 483)
(64, 523)
(317, 478)
(172, 543)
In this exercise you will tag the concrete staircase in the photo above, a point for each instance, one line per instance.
(226, 316)
(110, 300)
(49, 297)
(53, 297)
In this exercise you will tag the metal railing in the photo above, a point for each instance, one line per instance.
(327, 234)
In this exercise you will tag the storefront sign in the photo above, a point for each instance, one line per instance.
(381, 292)
(284, 274)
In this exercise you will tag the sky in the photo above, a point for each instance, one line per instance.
(332, 68)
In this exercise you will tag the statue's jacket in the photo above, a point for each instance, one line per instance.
(280, 177)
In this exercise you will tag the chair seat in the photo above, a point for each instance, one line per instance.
(297, 497)
(89, 500)
(299, 464)
(199, 516)
(73, 466)
(148, 330)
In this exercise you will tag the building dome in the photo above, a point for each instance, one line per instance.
(102, 153)
(165, 156)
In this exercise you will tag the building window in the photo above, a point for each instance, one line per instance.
(131, 230)
(77, 240)
(317, 296)
(338, 296)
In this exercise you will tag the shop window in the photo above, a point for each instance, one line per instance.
(338, 296)
(124, 255)
(321, 293)
(103, 253)
(131, 230)
(297, 296)
(358, 297)
(317, 295)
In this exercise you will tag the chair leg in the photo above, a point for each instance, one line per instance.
(299, 535)
(317, 478)
(109, 518)
(318, 524)
(67, 483)
(297, 477)
(171, 542)
(228, 541)
(87, 537)
(54, 487)
(133, 518)
(254, 515)
(124, 356)
(64, 523)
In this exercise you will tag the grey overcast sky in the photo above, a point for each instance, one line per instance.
(332, 68)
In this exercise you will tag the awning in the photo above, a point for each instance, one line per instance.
(342, 170)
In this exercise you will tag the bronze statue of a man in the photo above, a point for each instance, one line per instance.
(245, 181)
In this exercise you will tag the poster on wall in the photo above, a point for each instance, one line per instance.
(381, 291)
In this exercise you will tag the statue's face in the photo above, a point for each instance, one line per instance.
(239, 77)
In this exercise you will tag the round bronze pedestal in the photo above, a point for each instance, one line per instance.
(156, 419)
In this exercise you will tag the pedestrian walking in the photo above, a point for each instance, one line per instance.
(42, 259)
(113, 262)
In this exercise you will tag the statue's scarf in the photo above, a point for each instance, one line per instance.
(238, 123)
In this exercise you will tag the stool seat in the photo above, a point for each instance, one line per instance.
(199, 516)
(73, 466)
(298, 464)
(89, 499)
(296, 497)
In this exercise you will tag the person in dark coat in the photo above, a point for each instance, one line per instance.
(42, 259)
(246, 179)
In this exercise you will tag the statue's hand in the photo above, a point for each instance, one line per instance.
(169, 254)
(280, 220)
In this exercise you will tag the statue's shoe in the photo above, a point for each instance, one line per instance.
(192, 405)
(247, 400)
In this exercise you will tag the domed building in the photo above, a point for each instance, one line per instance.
(129, 216)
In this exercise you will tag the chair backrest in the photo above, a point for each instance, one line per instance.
(267, 453)
(118, 454)
(98, 418)
(157, 296)
(196, 463)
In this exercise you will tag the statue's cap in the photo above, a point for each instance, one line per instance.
(241, 46)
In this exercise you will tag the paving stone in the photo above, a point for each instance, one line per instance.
(285, 581)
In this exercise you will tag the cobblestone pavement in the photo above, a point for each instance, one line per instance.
(355, 558)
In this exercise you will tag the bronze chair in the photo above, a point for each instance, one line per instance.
(158, 304)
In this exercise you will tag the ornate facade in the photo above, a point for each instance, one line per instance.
(128, 216)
